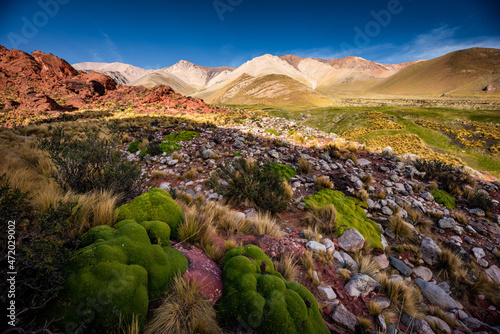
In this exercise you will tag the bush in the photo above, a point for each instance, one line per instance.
(133, 147)
(480, 199)
(90, 164)
(261, 184)
(449, 177)
(42, 251)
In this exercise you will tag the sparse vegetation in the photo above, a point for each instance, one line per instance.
(323, 182)
(304, 166)
(246, 179)
(323, 218)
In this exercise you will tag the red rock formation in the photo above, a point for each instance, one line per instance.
(203, 271)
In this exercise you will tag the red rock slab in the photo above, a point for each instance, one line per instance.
(203, 271)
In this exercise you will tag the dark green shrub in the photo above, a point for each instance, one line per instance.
(259, 183)
(481, 200)
(42, 250)
(133, 147)
(449, 178)
(90, 164)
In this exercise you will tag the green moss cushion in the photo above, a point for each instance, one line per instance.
(156, 204)
(442, 197)
(286, 171)
(118, 271)
(349, 214)
(259, 298)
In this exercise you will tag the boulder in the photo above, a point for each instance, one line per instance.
(416, 326)
(202, 270)
(494, 273)
(351, 241)
(436, 295)
(343, 317)
(400, 266)
(327, 293)
(424, 273)
(315, 246)
(30, 100)
(361, 284)
(429, 251)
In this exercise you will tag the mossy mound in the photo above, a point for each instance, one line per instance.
(117, 272)
(259, 298)
(156, 204)
(272, 132)
(133, 147)
(349, 214)
(180, 136)
(286, 171)
(442, 197)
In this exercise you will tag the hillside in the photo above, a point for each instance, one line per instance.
(460, 73)
(156, 78)
(273, 89)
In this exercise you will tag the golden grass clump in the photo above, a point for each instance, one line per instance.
(308, 262)
(400, 228)
(130, 328)
(184, 311)
(195, 226)
(263, 223)
(367, 179)
(190, 174)
(323, 182)
(448, 263)
(439, 313)
(286, 265)
(323, 218)
(373, 308)
(299, 138)
(366, 265)
(404, 298)
(432, 186)
(364, 323)
(353, 157)
(159, 174)
(304, 166)
(381, 194)
(227, 220)
(344, 273)
(178, 156)
(460, 217)
(362, 195)
(144, 143)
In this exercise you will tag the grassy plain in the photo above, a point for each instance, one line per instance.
(342, 120)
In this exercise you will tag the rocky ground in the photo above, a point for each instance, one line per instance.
(476, 238)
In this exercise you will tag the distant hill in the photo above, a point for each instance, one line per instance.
(275, 89)
(460, 73)
(472, 72)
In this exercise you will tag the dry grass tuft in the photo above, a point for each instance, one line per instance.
(367, 179)
(364, 323)
(367, 265)
(344, 273)
(424, 225)
(432, 186)
(374, 308)
(460, 217)
(403, 298)
(381, 194)
(362, 195)
(299, 138)
(190, 174)
(263, 223)
(353, 157)
(286, 265)
(159, 174)
(439, 313)
(178, 156)
(399, 227)
(448, 263)
(308, 263)
(323, 218)
(184, 311)
(323, 182)
(304, 166)
(132, 328)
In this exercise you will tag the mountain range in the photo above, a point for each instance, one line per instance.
(289, 79)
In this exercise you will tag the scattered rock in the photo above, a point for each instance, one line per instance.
(351, 241)
(361, 284)
(327, 293)
(494, 273)
(429, 251)
(436, 295)
(424, 273)
(343, 317)
(315, 246)
(400, 266)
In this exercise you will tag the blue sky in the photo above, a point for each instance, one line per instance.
(156, 34)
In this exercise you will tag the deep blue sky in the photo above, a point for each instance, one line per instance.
(156, 34)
